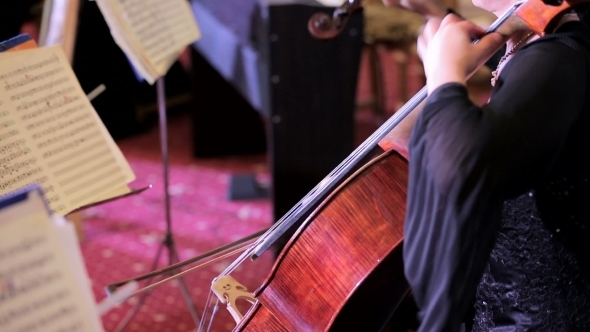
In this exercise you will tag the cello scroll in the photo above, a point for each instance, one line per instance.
(322, 26)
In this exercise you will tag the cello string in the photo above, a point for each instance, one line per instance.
(215, 310)
(283, 224)
(331, 179)
(206, 311)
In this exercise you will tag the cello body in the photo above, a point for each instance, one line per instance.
(342, 269)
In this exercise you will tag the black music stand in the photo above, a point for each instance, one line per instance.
(168, 241)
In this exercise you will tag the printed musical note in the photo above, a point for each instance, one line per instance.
(25, 71)
(55, 116)
(43, 87)
(44, 100)
(6, 135)
(19, 180)
(7, 124)
(9, 169)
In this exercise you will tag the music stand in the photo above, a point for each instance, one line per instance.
(168, 241)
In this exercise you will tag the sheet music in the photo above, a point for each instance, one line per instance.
(68, 239)
(51, 134)
(153, 33)
(39, 286)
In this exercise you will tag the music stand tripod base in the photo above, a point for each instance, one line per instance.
(168, 241)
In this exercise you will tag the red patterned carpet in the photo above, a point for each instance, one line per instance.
(122, 238)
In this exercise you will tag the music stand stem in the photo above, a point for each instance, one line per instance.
(168, 241)
(161, 95)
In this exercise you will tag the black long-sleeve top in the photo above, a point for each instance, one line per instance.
(498, 212)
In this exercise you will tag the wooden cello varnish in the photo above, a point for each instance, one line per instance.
(343, 264)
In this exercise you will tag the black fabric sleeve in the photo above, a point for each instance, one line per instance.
(465, 160)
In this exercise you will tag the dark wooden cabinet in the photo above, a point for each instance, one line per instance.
(263, 83)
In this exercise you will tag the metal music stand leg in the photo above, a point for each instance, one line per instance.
(168, 241)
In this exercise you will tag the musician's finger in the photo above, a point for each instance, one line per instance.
(487, 44)
(426, 35)
(430, 29)
(421, 46)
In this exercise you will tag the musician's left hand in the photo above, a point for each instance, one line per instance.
(447, 52)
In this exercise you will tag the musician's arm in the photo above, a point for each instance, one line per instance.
(429, 9)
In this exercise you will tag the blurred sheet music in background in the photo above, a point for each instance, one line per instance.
(152, 33)
(50, 134)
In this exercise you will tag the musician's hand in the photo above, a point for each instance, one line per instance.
(427, 8)
(447, 51)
